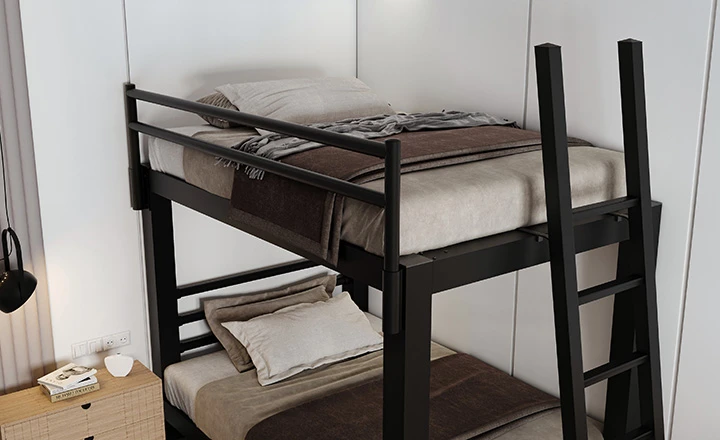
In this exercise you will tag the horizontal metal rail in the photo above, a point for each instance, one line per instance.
(298, 174)
(243, 277)
(359, 145)
(197, 342)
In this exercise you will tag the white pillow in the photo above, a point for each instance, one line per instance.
(305, 336)
(306, 100)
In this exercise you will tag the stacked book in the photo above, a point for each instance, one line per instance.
(69, 381)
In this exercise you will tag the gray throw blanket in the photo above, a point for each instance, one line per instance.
(275, 146)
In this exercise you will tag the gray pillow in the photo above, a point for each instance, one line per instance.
(305, 336)
(247, 306)
(306, 100)
(217, 99)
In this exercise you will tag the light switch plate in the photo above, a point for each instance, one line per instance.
(95, 345)
(79, 350)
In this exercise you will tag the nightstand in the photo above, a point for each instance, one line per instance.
(124, 408)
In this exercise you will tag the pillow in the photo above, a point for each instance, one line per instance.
(306, 100)
(218, 100)
(305, 336)
(247, 306)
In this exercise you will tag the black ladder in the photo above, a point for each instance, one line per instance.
(634, 343)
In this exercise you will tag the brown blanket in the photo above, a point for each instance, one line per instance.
(467, 398)
(310, 218)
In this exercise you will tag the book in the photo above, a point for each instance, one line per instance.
(83, 383)
(67, 376)
(68, 394)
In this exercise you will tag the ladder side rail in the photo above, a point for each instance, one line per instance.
(562, 242)
(642, 248)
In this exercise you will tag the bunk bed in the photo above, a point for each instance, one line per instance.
(408, 280)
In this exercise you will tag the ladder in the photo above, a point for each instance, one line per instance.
(634, 344)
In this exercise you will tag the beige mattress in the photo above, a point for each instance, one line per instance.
(443, 206)
(184, 380)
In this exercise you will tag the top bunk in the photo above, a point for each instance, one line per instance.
(483, 197)
(471, 203)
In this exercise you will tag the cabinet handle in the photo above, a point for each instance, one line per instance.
(86, 406)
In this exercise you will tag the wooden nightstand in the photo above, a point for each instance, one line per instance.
(124, 408)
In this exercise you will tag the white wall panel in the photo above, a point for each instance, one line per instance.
(187, 49)
(76, 59)
(697, 405)
(476, 319)
(675, 35)
(75, 55)
(429, 55)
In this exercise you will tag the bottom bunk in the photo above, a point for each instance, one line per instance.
(226, 404)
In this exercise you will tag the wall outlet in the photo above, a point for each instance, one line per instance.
(108, 342)
(99, 345)
(122, 339)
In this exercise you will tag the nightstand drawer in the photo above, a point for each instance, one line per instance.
(125, 409)
(150, 429)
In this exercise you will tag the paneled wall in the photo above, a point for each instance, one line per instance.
(675, 67)
(430, 55)
(77, 60)
(422, 55)
(697, 405)
(75, 56)
(201, 49)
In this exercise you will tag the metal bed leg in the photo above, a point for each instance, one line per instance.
(406, 391)
(161, 283)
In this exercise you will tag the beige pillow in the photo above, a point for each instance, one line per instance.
(305, 336)
(218, 100)
(247, 306)
(306, 100)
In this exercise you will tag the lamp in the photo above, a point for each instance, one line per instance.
(18, 285)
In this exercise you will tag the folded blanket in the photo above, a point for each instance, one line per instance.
(467, 398)
(276, 146)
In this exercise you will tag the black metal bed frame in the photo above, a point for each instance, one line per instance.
(408, 282)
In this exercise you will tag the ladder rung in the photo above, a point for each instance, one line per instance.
(609, 288)
(602, 208)
(639, 434)
(613, 368)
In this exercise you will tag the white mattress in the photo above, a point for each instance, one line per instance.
(445, 206)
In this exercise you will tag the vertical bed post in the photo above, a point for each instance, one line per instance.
(639, 258)
(551, 97)
(406, 323)
(161, 283)
(137, 195)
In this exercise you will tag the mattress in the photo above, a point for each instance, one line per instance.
(438, 207)
(184, 380)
